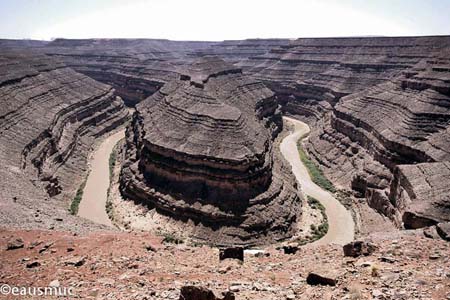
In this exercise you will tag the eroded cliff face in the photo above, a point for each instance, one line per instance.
(415, 183)
(310, 75)
(377, 141)
(136, 68)
(50, 116)
(202, 149)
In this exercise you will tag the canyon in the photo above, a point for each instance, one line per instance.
(203, 136)
(350, 89)
(378, 106)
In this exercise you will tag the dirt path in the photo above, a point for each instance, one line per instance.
(93, 204)
(341, 226)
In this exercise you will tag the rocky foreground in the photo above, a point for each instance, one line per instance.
(138, 266)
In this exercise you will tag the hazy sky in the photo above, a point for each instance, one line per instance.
(219, 20)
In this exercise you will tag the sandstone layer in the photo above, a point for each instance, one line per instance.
(50, 116)
(202, 149)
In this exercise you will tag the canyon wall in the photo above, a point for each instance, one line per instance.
(50, 116)
(379, 105)
(203, 149)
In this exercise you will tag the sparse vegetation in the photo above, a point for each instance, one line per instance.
(322, 229)
(196, 244)
(171, 239)
(315, 204)
(374, 271)
(355, 293)
(74, 206)
(316, 231)
(316, 174)
(112, 162)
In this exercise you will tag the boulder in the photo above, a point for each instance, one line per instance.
(431, 232)
(33, 264)
(232, 252)
(202, 293)
(324, 277)
(358, 248)
(14, 243)
(290, 249)
(443, 230)
(76, 261)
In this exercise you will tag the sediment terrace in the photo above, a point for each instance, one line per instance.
(201, 149)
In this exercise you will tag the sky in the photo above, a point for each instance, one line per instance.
(216, 20)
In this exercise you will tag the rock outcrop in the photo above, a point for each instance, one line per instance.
(358, 248)
(202, 149)
(191, 292)
(50, 116)
(422, 193)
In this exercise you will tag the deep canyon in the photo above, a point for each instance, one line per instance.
(201, 154)
(379, 108)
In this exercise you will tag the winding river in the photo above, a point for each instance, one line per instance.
(93, 203)
(340, 222)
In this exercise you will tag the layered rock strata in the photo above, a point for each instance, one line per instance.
(391, 143)
(136, 68)
(50, 116)
(201, 149)
(310, 75)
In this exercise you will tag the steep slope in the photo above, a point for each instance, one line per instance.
(50, 116)
(376, 103)
(201, 149)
